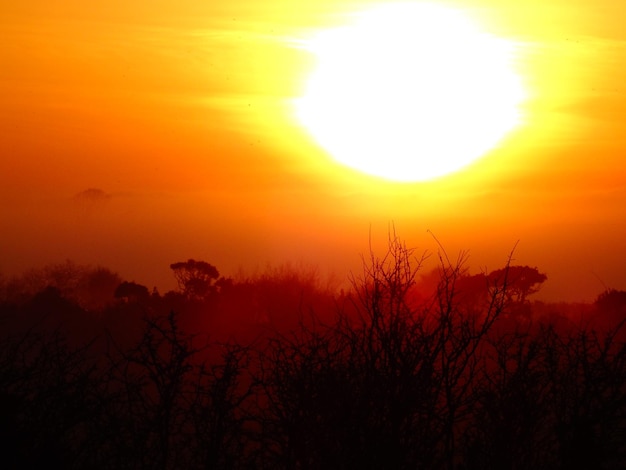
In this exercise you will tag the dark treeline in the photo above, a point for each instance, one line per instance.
(443, 370)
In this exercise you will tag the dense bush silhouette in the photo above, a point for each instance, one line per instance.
(389, 387)
(272, 371)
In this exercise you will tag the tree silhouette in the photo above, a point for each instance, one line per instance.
(196, 279)
(90, 287)
(131, 292)
(611, 306)
(522, 281)
(96, 288)
(169, 407)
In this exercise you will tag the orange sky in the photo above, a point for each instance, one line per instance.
(179, 112)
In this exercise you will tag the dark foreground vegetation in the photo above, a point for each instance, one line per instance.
(403, 371)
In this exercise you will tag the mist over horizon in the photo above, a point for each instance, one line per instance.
(140, 235)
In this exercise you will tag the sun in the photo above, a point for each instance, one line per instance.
(410, 91)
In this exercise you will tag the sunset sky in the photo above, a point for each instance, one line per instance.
(135, 134)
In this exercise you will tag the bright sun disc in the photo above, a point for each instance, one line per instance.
(410, 92)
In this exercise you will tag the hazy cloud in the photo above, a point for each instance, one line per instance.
(90, 200)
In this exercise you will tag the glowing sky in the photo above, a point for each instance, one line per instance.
(180, 114)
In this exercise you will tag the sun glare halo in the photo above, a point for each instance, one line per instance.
(410, 92)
